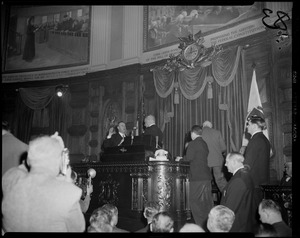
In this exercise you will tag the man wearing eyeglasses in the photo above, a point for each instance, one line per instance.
(257, 155)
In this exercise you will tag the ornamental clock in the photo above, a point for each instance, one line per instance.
(191, 52)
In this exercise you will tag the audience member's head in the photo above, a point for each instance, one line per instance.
(149, 120)
(162, 222)
(113, 210)
(100, 221)
(196, 131)
(269, 211)
(45, 153)
(5, 126)
(220, 219)
(288, 169)
(234, 161)
(191, 227)
(207, 124)
(150, 209)
(265, 230)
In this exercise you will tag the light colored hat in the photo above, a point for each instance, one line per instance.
(45, 152)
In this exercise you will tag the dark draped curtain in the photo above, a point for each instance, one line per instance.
(22, 120)
(50, 111)
(57, 114)
(225, 107)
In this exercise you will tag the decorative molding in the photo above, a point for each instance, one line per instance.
(94, 128)
(108, 191)
(93, 143)
(77, 130)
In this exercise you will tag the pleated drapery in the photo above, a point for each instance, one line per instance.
(43, 109)
(193, 81)
(224, 106)
(38, 97)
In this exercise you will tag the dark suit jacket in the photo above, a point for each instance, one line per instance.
(155, 131)
(113, 141)
(197, 153)
(144, 229)
(257, 155)
(238, 195)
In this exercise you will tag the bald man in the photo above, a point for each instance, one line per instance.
(216, 147)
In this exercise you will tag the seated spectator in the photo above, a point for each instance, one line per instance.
(162, 222)
(287, 177)
(40, 200)
(13, 150)
(270, 213)
(265, 230)
(100, 221)
(191, 227)
(113, 210)
(151, 208)
(220, 219)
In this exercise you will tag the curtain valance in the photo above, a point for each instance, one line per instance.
(164, 82)
(193, 81)
(38, 97)
(225, 66)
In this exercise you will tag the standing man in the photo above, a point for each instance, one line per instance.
(13, 150)
(115, 138)
(257, 155)
(41, 200)
(201, 200)
(217, 148)
(153, 129)
(239, 193)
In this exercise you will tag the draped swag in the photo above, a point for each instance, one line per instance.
(40, 108)
(226, 110)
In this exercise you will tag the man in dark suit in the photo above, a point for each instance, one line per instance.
(238, 194)
(270, 213)
(216, 146)
(115, 137)
(201, 200)
(153, 129)
(257, 155)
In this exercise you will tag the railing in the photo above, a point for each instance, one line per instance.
(74, 44)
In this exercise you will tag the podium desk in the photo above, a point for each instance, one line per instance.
(129, 184)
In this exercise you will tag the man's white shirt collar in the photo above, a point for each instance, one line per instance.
(237, 169)
(123, 135)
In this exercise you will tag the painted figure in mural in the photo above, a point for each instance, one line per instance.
(29, 47)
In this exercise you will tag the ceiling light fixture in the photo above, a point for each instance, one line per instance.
(61, 90)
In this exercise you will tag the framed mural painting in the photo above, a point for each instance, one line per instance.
(46, 37)
(164, 24)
